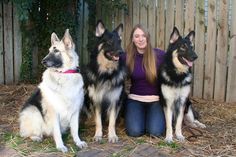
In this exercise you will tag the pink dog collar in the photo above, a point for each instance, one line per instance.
(70, 71)
(77, 70)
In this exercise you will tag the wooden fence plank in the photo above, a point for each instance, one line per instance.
(77, 30)
(143, 14)
(179, 15)
(86, 54)
(80, 32)
(1, 46)
(117, 18)
(189, 16)
(98, 10)
(128, 23)
(170, 4)
(8, 45)
(199, 49)
(221, 53)
(120, 19)
(210, 51)
(107, 18)
(17, 46)
(136, 12)
(231, 83)
(161, 24)
(152, 21)
(83, 34)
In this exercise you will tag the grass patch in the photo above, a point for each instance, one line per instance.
(26, 147)
(140, 141)
(172, 145)
(14, 141)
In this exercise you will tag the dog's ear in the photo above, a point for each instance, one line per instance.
(54, 38)
(191, 36)
(67, 40)
(174, 35)
(100, 28)
(119, 29)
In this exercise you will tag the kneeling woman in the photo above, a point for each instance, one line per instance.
(143, 112)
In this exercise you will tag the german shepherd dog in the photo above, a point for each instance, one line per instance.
(104, 79)
(56, 103)
(175, 83)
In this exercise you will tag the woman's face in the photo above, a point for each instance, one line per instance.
(140, 40)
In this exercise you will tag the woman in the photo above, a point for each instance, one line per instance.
(143, 114)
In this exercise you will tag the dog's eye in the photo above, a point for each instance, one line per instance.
(182, 48)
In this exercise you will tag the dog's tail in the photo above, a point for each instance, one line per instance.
(189, 106)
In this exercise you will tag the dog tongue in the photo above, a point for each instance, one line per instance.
(190, 64)
(115, 58)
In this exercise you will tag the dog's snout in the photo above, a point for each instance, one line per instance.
(120, 52)
(194, 56)
(44, 61)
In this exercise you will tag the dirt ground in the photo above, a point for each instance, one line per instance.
(218, 139)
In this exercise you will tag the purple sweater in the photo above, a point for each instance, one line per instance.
(139, 83)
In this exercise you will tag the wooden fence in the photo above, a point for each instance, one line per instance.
(10, 44)
(214, 22)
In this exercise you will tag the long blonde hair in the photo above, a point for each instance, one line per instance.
(149, 58)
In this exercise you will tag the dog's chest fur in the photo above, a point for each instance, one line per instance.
(175, 93)
(62, 95)
(175, 86)
(107, 88)
(172, 78)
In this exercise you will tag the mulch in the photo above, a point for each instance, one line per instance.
(218, 139)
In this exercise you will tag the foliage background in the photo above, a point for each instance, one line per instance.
(39, 18)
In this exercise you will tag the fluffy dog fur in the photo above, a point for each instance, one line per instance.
(55, 104)
(104, 79)
(175, 79)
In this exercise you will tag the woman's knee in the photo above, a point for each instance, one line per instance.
(156, 131)
(135, 132)
(134, 118)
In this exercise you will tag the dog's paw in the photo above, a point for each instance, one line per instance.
(36, 138)
(62, 148)
(113, 139)
(201, 125)
(81, 144)
(97, 138)
(169, 139)
(181, 138)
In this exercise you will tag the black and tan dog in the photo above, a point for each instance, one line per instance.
(175, 83)
(104, 79)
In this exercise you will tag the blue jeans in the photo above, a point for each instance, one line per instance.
(142, 117)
